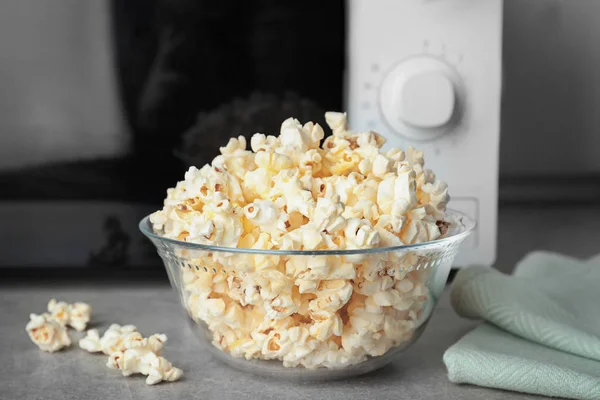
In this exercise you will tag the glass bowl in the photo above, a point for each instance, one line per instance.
(309, 315)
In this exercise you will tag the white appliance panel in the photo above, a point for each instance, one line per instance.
(427, 73)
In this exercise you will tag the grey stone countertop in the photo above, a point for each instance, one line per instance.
(418, 373)
(27, 373)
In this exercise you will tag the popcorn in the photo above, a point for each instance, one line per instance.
(256, 184)
(290, 192)
(398, 330)
(396, 154)
(293, 137)
(143, 356)
(310, 268)
(338, 122)
(419, 232)
(301, 201)
(110, 342)
(222, 229)
(211, 309)
(127, 349)
(200, 283)
(365, 166)
(276, 344)
(205, 182)
(235, 290)
(91, 342)
(340, 161)
(234, 158)
(310, 162)
(366, 190)
(315, 133)
(369, 140)
(331, 295)
(414, 156)
(266, 285)
(306, 285)
(306, 237)
(280, 306)
(436, 194)
(327, 215)
(389, 229)
(325, 324)
(47, 332)
(363, 209)
(341, 269)
(392, 298)
(302, 345)
(360, 234)
(260, 142)
(273, 162)
(265, 215)
(382, 165)
(234, 145)
(370, 287)
(396, 195)
(76, 315)
(363, 335)
(344, 187)
(339, 358)
(330, 355)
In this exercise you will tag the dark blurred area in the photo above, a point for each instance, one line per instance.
(199, 68)
(187, 76)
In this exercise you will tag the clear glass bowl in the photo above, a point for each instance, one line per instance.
(246, 305)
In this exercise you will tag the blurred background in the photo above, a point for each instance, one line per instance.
(104, 104)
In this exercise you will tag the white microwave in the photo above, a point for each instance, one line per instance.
(428, 74)
(421, 72)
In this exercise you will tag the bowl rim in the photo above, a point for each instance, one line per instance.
(469, 224)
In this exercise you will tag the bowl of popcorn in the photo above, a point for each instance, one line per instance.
(308, 258)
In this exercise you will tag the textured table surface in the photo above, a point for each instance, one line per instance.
(27, 373)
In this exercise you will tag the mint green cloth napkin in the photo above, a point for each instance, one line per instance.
(542, 327)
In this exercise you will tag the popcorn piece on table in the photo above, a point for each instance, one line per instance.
(142, 355)
(47, 332)
(76, 315)
(110, 342)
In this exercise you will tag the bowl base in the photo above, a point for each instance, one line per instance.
(275, 368)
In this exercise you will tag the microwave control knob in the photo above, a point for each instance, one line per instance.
(419, 98)
(425, 100)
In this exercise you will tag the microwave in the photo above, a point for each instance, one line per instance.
(116, 116)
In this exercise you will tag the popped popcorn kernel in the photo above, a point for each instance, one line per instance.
(47, 333)
(142, 355)
(76, 315)
(112, 340)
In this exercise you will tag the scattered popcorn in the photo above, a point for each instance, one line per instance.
(111, 341)
(127, 349)
(292, 192)
(76, 315)
(47, 332)
(142, 355)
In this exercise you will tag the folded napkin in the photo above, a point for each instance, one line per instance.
(542, 327)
